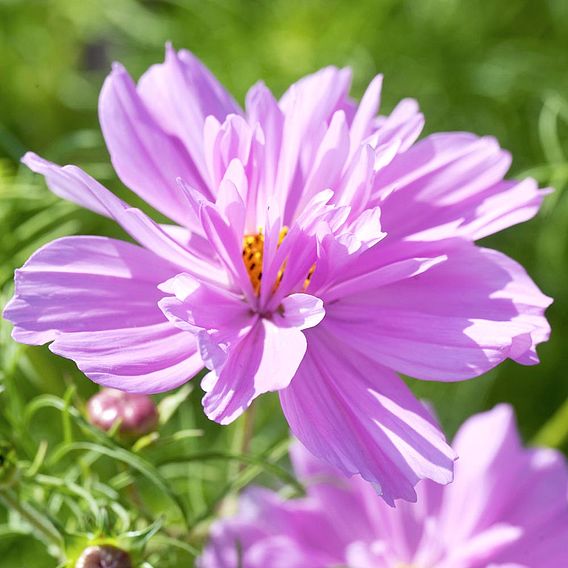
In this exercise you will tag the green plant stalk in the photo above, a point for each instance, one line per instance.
(248, 429)
(555, 431)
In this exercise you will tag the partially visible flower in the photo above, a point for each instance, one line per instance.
(104, 556)
(508, 507)
(137, 413)
(319, 249)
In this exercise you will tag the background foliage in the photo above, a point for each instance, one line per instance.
(489, 67)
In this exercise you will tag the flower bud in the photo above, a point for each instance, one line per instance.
(104, 556)
(8, 464)
(137, 413)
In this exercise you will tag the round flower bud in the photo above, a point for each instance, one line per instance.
(104, 556)
(137, 413)
(8, 464)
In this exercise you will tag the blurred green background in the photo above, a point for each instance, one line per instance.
(497, 68)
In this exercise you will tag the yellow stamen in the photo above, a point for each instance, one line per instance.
(253, 247)
(253, 251)
(309, 276)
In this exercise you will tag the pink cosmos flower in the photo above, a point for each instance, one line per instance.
(318, 248)
(508, 507)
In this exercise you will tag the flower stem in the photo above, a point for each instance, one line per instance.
(248, 430)
(555, 431)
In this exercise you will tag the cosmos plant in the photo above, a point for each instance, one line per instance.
(508, 507)
(316, 249)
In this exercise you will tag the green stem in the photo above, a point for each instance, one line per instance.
(248, 430)
(555, 431)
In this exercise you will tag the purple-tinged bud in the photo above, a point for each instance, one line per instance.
(137, 413)
(104, 556)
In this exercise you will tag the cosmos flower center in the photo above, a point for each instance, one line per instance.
(253, 253)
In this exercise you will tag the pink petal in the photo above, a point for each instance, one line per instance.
(228, 248)
(451, 185)
(297, 536)
(300, 310)
(196, 306)
(379, 277)
(147, 159)
(351, 505)
(63, 182)
(132, 220)
(483, 546)
(361, 418)
(307, 105)
(263, 360)
(506, 204)
(355, 187)
(262, 108)
(455, 321)
(68, 182)
(485, 443)
(403, 125)
(234, 139)
(196, 243)
(96, 299)
(519, 513)
(232, 196)
(328, 163)
(180, 93)
(522, 488)
(366, 112)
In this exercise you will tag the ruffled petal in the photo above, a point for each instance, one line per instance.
(264, 359)
(456, 320)
(262, 109)
(308, 106)
(64, 182)
(227, 246)
(233, 139)
(145, 157)
(452, 185)
(355, 187)
(196, 306)
(361, 418)
(522, 489)
(83, 189)
(351, 505)
(362, 123)
(97, 299)
(329, 160)
(403, 126)
(180, 94)
(297, 536)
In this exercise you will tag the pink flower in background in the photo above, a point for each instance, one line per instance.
(508, 507)
(318, 249)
